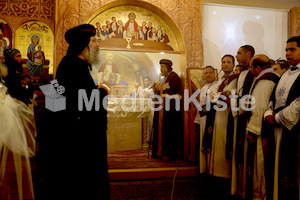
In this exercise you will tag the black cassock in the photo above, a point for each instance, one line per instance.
(77, 147)
(172, 128)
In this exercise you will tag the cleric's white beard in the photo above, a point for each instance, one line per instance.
(3, 69)
(1, 50)
(93, 55)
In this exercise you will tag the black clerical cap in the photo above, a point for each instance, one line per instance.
(79, 37)
(166, 62)
(10, 53)
(10, 62)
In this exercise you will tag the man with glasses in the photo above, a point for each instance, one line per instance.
(281, 66)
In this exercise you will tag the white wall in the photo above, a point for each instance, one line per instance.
(278, 4)
(226, 28)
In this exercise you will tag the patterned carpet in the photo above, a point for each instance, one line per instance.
(133, 159)
(201, 187)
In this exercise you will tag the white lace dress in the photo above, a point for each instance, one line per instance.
(17, 145)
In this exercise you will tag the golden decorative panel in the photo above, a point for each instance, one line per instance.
(17, 12)
(22, 8)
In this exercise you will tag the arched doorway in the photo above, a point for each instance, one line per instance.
(125, 128)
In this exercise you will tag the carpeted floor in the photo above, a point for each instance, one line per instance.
(134, 159)
(201, 187)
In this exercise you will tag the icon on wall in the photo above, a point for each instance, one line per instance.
(35, 41)
(5, 30)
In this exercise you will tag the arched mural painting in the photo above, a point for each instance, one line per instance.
(127, 30)
(135, 23)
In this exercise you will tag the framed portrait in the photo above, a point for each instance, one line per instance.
(295, 22)
(195, 78)
(119, 91)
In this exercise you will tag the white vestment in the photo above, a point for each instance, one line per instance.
(261, 92)
(288, 117)
(145, 92)
(220, 166)
(236, 180)
(203, 157)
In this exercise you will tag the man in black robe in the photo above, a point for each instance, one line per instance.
(13, 62)
(167, 122)
(77, 146)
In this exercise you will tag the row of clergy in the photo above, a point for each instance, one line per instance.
(256, 148)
